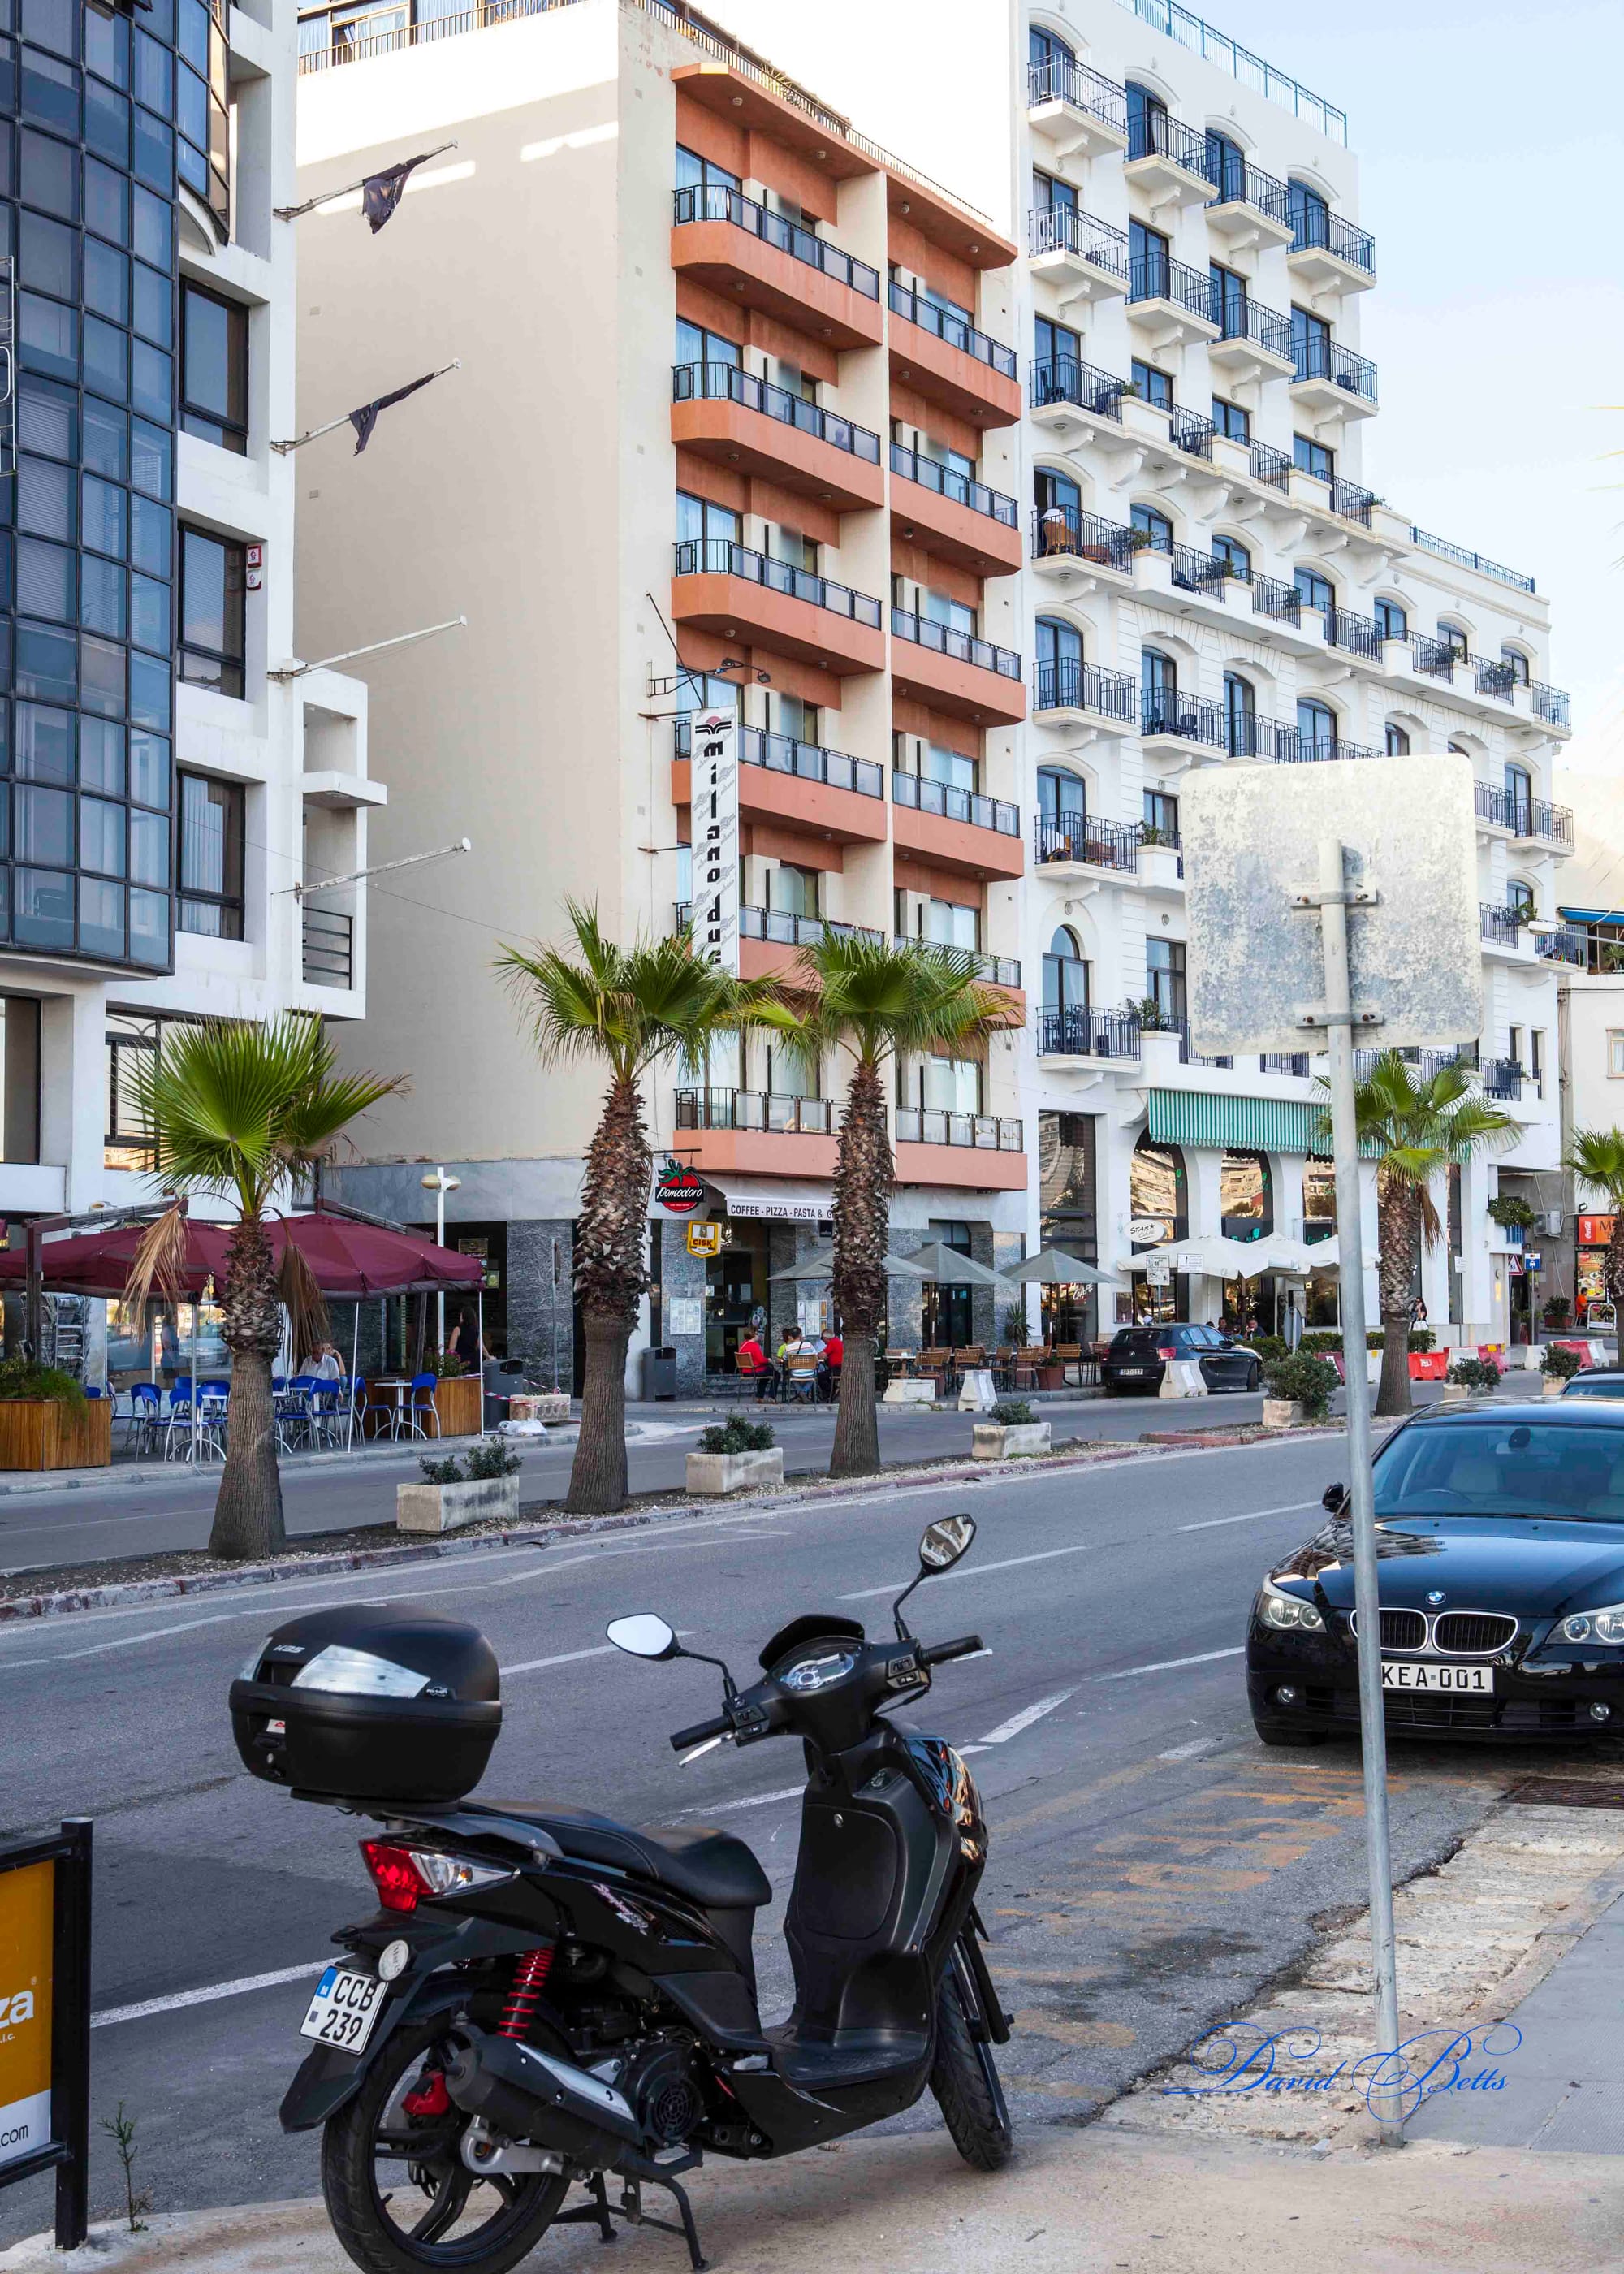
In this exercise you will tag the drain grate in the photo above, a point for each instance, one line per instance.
(1566, 1792)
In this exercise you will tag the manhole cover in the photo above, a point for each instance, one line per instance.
(1567, 1792)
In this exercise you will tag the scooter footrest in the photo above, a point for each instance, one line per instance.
(851, 2057)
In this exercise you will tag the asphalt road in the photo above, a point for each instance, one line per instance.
(1151, 1865)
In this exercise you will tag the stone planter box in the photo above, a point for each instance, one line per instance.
(448, 1507)
(996, 1442)
(909, 1389)
(1282, 1413)
(1555, 1385)
(1455, 1393)
(43, 1433)
(717, 1474)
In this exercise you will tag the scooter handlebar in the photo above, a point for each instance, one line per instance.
(966, 1646)
(718, 1726)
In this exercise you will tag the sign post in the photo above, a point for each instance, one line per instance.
(45, 2020)
(1267, 850)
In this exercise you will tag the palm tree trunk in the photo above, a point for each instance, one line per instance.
(248, 1520)
(612, 1274)
(1395, 1210)
(862, 1187)
(1615, 1265)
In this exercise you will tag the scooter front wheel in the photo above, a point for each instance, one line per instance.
(400, 2199)
(964, 2076)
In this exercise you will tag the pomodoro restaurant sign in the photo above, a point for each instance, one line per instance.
(679, 1192)
(45, 2019)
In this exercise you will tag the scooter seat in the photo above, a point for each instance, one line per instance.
(710, 1867)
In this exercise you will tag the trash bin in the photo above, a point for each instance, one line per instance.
(659, 1371)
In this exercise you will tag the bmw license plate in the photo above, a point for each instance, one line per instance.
(1401, 1674)
(344, 2009)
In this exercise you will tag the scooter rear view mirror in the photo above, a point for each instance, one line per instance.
(643, 1635)
(945, 1541)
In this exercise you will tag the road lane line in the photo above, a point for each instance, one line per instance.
(564, 1658)
(148, 2006)
(1188, 1752)
(153, 1634)
(1017, 1722)
(979, 1571)
(755, 1800)
(1162, 1665)
(1249, 1516)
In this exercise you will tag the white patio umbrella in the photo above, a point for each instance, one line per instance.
(951, 1268)
(1051, 1267)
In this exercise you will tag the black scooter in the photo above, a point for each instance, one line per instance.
(548, 1997)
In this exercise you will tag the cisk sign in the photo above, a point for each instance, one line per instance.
(715, 747)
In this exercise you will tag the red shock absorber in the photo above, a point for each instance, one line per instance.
(530, 1979)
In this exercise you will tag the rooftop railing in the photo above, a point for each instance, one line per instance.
(1321, 358)
(1063, 229)
(1157, 276)
(946, 639)
(1202, 39)
(1064, 80)
(955, 804)
(948, 326)
(783, 754)
(950, 482)
(1080, 836)
(988, 1133)
(717, 201)
(719, 556)
(730, 382)
(1466, 559)
(1315, 228)
(1067, 683)
(756, 1109)
(1238, 182)
(1065, 379)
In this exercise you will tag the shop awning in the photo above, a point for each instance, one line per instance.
(770, 1200)
(349, 1260)
(1242, 1125)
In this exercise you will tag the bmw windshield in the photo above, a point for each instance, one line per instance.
(1492, 1468)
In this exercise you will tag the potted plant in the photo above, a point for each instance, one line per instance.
(451, 1495)
(1298, 1388)
(1511, 1212)
(1470, 1377)
(46, 1421)
(1014, 1432)
(734, 1456)
(1557, 1312)
(1558, 1365)
(1014, 1327)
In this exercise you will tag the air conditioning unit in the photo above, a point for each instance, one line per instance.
(1551, 1221)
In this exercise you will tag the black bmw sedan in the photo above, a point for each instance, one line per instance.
(1501, 1560)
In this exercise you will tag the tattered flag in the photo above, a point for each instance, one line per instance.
(381, 193)
(365, 419)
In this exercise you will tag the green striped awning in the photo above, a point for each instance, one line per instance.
(1252, 1124)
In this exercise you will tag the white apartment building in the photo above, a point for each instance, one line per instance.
(172, 779)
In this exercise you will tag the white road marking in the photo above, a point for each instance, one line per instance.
(977, 1571)
(755, 1800)
(1017, 1722)
(1249, 1516)
(1188, 1752)
(564, 1658)
(153, 1634)
(1162, 1665)
(112, 2014)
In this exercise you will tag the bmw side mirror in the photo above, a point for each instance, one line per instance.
(944, 1542)
(644, 1636)
(1334, 1497)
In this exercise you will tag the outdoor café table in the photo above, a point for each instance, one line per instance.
(397, 1385)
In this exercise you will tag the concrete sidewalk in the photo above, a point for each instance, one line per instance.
(1094, 2203)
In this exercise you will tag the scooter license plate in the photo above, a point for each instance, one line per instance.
(343, 2010)
(1402, 1674)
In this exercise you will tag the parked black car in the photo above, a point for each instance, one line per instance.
(1138, 1358)
(1501, 1547)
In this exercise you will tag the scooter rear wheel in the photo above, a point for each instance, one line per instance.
(965, 2078)
(400, 2197)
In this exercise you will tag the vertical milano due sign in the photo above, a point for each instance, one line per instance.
(716, 847)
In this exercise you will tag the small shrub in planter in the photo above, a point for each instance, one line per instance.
(1302, 1379)
(492, 1459)
(448, 1471)
(1268, 1346)
(1375, 1338)
(1557, 1312)
(1421, 1339)
(1014, 1413)
(737, 1436)
(26, 1378)
(1320, 1344)
(1559, 1364)
(1480, 1375)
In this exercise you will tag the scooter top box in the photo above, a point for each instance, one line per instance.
(371, 1701)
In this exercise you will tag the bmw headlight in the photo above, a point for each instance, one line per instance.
(1603, 1626)
(1289, 1613)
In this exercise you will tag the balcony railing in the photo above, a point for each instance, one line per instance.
(1067, 529)
(1318, 749)
(1437, 658)
(1480, 561)
(1240, 317)
(946, 639)
(988, 1133)
(1498, 924)
(1529, 817)
(1238, 182)
(782, 754)
(755, 1109)
(730, 382)
(1352, 502)
(1496, 678)
(1282, 602)
(995, 970)
(1354, 635)
(1549, 703)
(716, 201)
(1156, 276)
(1080, 836)
(1066, 683)
(954, 804)
(1249, 736)
(1291, 1062)
(949, 482)
(1426, 1063)
(1064, 80)
(1321, 358)
(952, 328)
(1189, 717)
(1063, 229)
(1155, 133)
(1199, 572)
(1569, 945)
(1077, 1031)
(783, 930)
(1314, 228)
(1065, 379)
(1270, 466)
(329, 948)
(1189, 432)
(719, 556)
(1503, 1077)
(1186, 1055)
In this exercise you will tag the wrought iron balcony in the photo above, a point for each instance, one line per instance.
(1187, 718)
(1352, 502)
(1290, 1062)
(1063, 229)
(1249, 736)
(1079, 1031)
(949, 482)
(1282, 602)
(1528, 817)
(716, 201)
(1065, 379)
(1080, 836)
(1270, 466)
(782, 754)
(1321, 358)
(785, 931)
(1066, 683)
(1480, 561)
(1199, 572)
(963, 647)
(1314, 228)
(756, 1109)
(1157, 276)
(1186, 1055)
(1549, 703)
(1569, 945)
(989, 1132)
(1503, 1077)
(1426, 1063)
(1238, 182)
(1067, 529)
(1437, 658)
(1318, 749)
(1189, 432)
(1064, 80)
(952, 328)
(1496, 678)
(719, 556)
(1499, 925)
(1154, 132)
(327, 947)
(730, 382)
(1240, 317)
(954, 804)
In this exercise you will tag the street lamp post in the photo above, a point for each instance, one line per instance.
(440, 1184)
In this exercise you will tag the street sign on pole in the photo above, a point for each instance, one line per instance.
(45, 2019)
(1326, 902)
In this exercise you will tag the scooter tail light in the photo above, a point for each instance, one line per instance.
(395, 1874)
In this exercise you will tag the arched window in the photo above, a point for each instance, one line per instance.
(1246, 1195)
(1240, 716)
(1235, 558)
(1392, 622)
(1059, 664)
(1060, 511)
(1226, 166)
(1148, 123)
(1397, 742)
(1044, 50)
(1519, 801)
(1316, 729)
(1157, 1194)
(1454, 639)
(1310, 216)
(1158, 692)
(1065, 974)
(1061, 794)
(1314, 590)
(1156, 530)
(1520, 899)
(1517, 662)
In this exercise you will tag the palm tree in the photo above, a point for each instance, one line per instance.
(245, 1109)
(1597, 1158)
(877, 1002)
(1413, 1127)
(631, 1008)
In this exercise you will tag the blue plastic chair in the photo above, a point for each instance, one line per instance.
(143, 1422)
(421, 1402)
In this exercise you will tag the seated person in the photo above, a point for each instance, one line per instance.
(752, 1360)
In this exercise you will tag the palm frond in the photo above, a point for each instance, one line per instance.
(308, 1323)
(158, 1259)
(878, 1000)
(1597, 1158)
